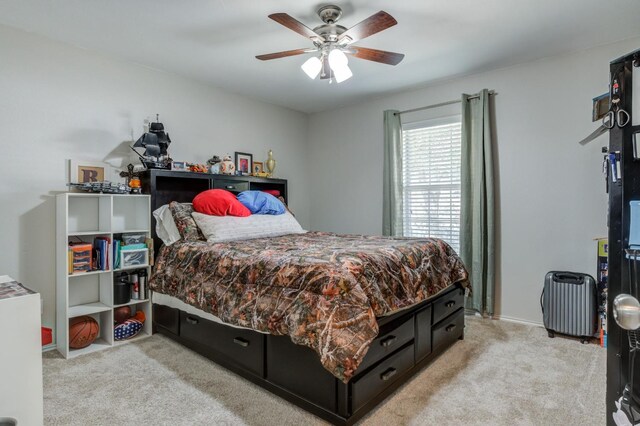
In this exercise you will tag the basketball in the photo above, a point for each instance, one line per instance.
(82, 332)
(121, 314)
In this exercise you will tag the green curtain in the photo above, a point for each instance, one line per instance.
(477, 230)
(392, 174)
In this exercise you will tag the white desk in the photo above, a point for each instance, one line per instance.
(20, 358)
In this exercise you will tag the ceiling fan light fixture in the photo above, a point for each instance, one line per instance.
(337, 58)
(312, 67)
(342, 73)
(334, 42)
(338, 62)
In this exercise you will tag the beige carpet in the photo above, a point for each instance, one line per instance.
(501, 374)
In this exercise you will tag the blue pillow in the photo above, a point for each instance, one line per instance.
(259, 202)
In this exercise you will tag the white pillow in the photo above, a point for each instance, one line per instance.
(230, 228)
(166, 228)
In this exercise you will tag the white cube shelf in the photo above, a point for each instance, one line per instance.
(82, 218)
(88, 213)
(130, 213)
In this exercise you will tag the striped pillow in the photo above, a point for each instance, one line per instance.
(230, 228)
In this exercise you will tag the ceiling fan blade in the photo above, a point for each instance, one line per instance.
(382, 56)
(370, 26)
(284, 54)
(295, 25)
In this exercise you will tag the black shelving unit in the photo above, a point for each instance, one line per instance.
(620, 193)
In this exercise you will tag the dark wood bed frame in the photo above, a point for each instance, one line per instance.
(408, 340)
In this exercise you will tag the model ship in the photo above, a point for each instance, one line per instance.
(155, 143)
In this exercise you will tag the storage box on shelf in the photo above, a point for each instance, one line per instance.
(88, 218)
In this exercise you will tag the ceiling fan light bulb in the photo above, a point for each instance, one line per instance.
(312, 67)
(337, 58)
(342, 73)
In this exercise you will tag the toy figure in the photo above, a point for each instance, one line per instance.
(227, 167)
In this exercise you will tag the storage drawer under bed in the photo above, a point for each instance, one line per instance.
(447, 304)
(392, 337)
(245, 348)
(380, 377)
(448, 330)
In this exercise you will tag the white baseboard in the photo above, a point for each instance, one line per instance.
(471, 312)
(518, 321)
(49, 347)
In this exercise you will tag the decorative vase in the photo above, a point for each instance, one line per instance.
(271, 163)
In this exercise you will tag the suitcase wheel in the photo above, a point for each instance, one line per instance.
(584, 340)
(551, 334)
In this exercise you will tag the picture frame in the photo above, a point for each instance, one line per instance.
(244, 163)
(178, 166)
(258, 167)
(83, 171)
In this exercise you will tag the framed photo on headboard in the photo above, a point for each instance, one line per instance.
(244, 163)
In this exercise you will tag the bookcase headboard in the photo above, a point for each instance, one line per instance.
(166, 186)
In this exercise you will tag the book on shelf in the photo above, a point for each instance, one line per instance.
(116, 253)
(102, 246)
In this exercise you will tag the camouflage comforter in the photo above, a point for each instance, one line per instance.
(323, 290)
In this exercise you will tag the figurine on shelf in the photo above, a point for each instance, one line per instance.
(155, 143)
(227, 167)
(198, 168)
(214, 164)
(133, 179)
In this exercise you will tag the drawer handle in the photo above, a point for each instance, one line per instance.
(388, 374)
(450, 304)
(240, 341)
(450, 327)
(230, 187)
(192, 320)
(388, 341)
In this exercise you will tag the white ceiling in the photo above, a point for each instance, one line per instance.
(215, 41)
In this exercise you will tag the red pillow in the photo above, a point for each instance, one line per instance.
(273, 192)
(218, 202)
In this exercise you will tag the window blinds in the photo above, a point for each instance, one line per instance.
(431, 180)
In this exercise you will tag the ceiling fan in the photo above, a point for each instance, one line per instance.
(334, 43)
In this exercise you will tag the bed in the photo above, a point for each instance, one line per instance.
(332, 323)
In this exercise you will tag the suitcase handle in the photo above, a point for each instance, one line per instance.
(568, 277)
(564, 277)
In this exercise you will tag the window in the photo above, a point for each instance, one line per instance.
(431, 153)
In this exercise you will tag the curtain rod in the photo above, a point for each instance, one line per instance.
(457, 101)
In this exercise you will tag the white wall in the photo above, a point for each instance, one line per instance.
(551, 194)
(59, 102)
